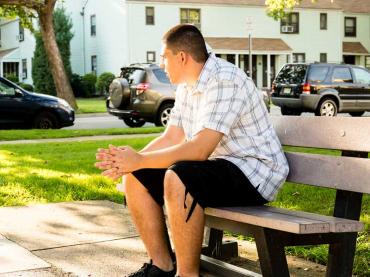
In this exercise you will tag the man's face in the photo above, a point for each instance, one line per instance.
(172, 65)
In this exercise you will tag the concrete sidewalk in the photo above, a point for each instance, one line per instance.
(89, 239)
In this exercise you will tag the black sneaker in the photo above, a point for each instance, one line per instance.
(150, 270)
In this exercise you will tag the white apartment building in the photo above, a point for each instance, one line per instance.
(114, 33)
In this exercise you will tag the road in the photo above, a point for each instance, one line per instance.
(105, 121)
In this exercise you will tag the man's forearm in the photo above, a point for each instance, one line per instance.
(156, 144)
(165, 157)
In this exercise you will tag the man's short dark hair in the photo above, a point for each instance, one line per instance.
(187, 38)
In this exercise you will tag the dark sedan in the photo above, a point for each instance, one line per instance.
(21, 108)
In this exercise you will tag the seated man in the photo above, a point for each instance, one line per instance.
(219, 149)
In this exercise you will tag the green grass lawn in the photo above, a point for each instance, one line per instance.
(61, 133)
(56, 172)
(91, 105)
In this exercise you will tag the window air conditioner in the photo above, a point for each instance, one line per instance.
(20, 37)
(24, 75)
(287, 29)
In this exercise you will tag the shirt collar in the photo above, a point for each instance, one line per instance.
(204, 75)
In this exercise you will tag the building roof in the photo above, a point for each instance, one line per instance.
(258, 44)
(354, 6)
(354, 48)
(5, 53)
(322, 4)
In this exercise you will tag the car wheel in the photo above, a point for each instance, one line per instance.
(133, 122)
(164, 113)
(287, 111)
(356, 113)
(46, 120)
(327, 107)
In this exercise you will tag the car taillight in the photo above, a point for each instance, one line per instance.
(273, 87)
(306, 89)
(140, 88)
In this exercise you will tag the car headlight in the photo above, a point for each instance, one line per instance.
(64, 104)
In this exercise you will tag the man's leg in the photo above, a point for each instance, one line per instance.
(149, 220)
(187, 236)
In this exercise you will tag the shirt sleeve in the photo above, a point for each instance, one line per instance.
(225, 104)
(175, 117)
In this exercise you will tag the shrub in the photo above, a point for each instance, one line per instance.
(13, 78)
(88, 84)
(103, 82)
(25, 86)
(77, 86)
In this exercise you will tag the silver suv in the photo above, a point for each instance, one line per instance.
(142, 93)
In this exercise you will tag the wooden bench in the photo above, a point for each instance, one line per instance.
(275, 228)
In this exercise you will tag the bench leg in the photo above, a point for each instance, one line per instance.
(217, 248)
(341, 256)
(271, 253)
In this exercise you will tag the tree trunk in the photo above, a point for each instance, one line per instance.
(62, 84)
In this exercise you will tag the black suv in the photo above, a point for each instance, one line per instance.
(21, 108)
(322, 88)
(142, 93)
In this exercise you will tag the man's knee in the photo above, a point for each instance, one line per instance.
(173, 185)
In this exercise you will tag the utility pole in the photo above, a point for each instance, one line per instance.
(250, 29)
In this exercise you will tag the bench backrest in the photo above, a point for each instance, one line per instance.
(338, 133)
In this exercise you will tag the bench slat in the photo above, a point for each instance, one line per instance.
(345, 173)
(286, 220)
(342, 133)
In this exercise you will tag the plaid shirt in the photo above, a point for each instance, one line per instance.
(226, 100)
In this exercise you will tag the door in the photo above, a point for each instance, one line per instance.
(343, 82)
(362, 84)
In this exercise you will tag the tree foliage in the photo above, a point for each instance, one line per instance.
(41, 72)
(278, 8)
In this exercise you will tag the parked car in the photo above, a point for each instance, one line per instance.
(142, 93)
(21, 108)
(323, 88)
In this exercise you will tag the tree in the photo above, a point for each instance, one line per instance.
(26, 9)
(41, 74)
(278, 8)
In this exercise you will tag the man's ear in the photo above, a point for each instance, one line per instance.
(183, 57)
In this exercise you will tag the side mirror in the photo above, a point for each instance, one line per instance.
(18, 92)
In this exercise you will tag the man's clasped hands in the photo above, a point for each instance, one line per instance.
(117, 161)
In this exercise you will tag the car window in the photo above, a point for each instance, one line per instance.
(362, 76)
(342, 75)
(161, 75)
(133, 75)
(6, 89)
(292, 74)
(317, 74)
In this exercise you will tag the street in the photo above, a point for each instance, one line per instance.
(105, 121)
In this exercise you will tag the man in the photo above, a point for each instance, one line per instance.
(219, 149)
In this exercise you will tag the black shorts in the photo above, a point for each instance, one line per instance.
(211, 183)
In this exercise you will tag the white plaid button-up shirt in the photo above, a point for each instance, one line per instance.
(226, 100)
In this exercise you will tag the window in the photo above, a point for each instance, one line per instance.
(290, 24)
(94, 64)
(161, 75)
(10, 68)
(350, 26)
(367, 62)
(317, 74)
(24, 68)
(21, 32)
(191, 16)
(342, 75)
(93, 25)
(299, 57)
(0, 38)
(149, 15)
(6, 90)
(323, 21)
(323, 58)
(150, 57)
(362, 76)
